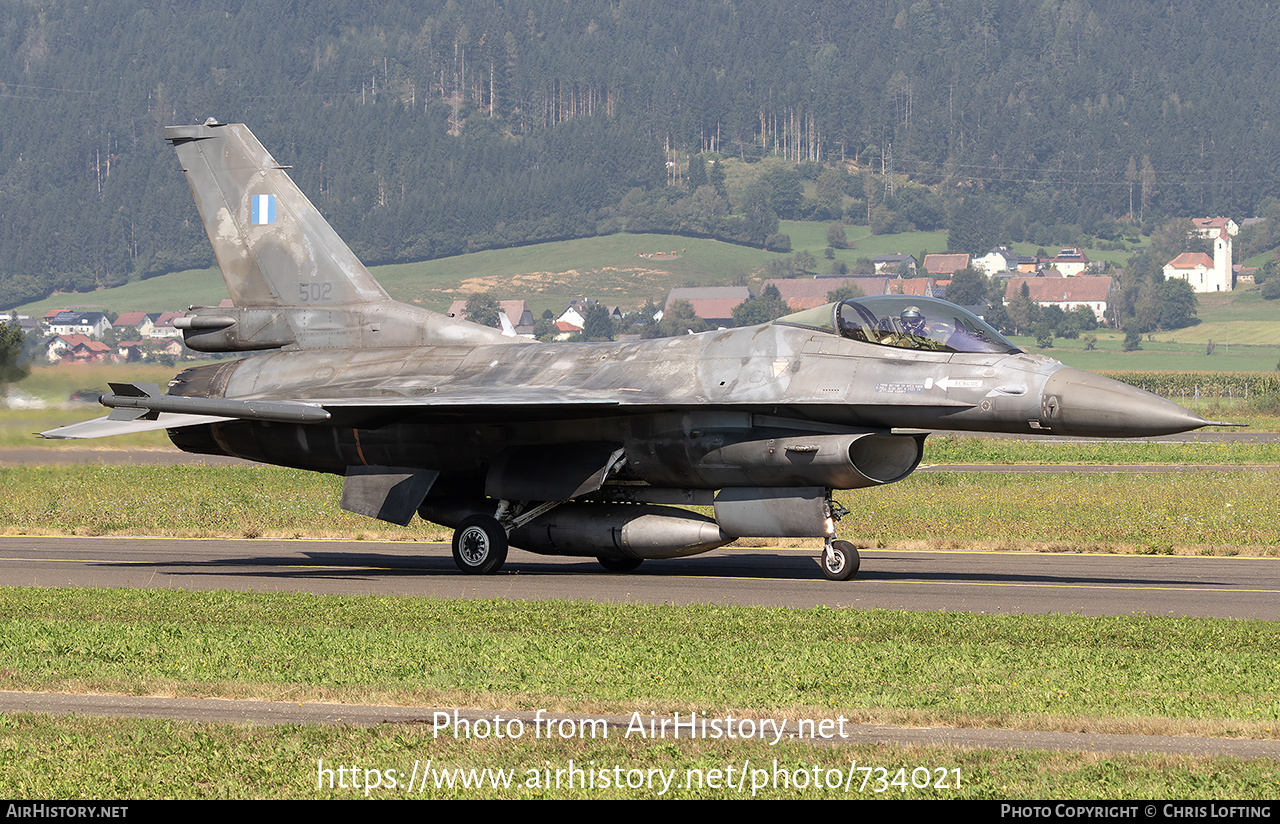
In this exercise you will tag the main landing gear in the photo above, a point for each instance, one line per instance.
(840, 559)
(480, 541)
(480, 545)
(619, 564)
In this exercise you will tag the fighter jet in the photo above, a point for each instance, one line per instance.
(580, 449)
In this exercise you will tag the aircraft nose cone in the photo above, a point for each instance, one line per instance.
(1076, 402)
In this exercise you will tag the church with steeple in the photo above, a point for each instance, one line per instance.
(1204, 273)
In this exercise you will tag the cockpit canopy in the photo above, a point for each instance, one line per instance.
(905, 322)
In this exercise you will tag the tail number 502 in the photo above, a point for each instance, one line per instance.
(314, 292)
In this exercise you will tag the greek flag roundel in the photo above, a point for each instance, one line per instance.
(263, 208)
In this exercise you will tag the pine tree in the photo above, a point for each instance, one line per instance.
(11, 343)
(482, 308)
(596, 324)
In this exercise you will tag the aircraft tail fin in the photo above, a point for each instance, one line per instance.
(273, 246)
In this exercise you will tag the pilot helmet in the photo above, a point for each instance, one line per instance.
(913, 319)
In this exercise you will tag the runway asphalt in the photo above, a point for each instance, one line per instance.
(980, 582)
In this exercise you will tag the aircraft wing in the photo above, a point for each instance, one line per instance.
(489, 396)
(142, 407)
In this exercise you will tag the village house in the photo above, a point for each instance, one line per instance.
(76, 348)
(565, 330)
(24, 322)
(131, 351)
(895, 264)
(516, 318)
(945, 264)
(1195, 268)
(142, 321)
(1069, 263)
(1068, 294)
(172, 347)
(806, 293)
(920, 287)
(714, 304)
(163, 327)
(89, 324)
(576, 312)
(999, 259)
(1003, 259)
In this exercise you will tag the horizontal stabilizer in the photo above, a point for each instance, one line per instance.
(111, 425)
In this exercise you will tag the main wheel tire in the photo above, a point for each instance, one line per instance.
(620, 564)
(479, 545)
(841, 562)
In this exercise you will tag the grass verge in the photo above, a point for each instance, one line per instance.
(975, 449)
(1129, 674)
(123, 758)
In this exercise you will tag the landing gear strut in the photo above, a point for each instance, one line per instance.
(840, 559)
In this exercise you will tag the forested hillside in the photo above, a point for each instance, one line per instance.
(427, 129)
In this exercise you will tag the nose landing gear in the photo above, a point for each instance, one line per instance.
(840, 559)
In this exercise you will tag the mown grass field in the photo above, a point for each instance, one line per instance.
(66, 758)
(1134, 675)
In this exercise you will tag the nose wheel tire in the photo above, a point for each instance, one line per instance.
(840, 561)
(480, 545)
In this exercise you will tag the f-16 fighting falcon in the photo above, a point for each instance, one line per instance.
(581, 449)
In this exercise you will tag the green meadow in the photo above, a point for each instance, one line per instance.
(78, 757)
(627, 270)
(1161, 354)
(1123, 675)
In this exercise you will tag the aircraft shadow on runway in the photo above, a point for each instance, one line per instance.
(748, 564)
